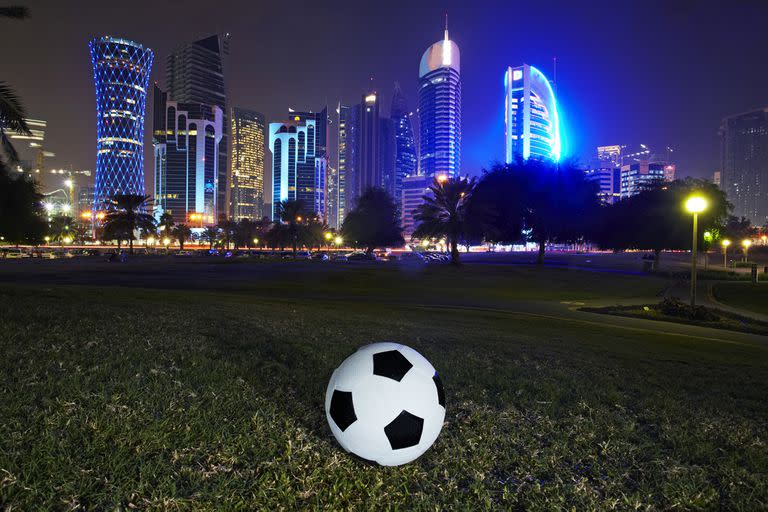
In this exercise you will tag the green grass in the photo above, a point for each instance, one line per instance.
(123, 398)
(743, 295)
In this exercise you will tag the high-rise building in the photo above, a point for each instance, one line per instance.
(369, 145)
(532, 127)
(121, 74)
(298, 173)
(195, 74)
(332, 208)
(349, 117)
(247, 164)
(311, 172)
(608, 179)
(609, 155)
(31, 149)
(716, 178)
(405, 146)
(84, 199)
(744, 160)
(187, 139)
(414, 189)
(440, 109)
(639, 176)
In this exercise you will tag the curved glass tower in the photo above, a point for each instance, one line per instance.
(440, 109)
(532, 128)
(121, 74)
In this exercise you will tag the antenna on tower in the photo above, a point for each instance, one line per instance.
(446, 25)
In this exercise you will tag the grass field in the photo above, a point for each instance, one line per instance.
(744, 295)
(213, 399)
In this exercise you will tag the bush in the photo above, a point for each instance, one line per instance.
(675, 307)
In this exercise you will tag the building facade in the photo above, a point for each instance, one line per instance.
(440, 109)
(195, 74)
(298, 173)
(414, 189)
(246, 177)
(311, 173)
(531, 124)
(608, 179)
(187, 139)
(121, 71)
(405, 145)
(744, 164)
(640, 176)
(332, 196)
(347, 139)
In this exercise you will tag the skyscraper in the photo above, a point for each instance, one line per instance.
(369, 161)
(744, 156)
(637, 177)
(348, 128)
(195, 74)
(531, 125)
(311, 172)
(187, 137)
(247, 166)
(405, 152)
(440, 109)
(121, 75)
(332, 195)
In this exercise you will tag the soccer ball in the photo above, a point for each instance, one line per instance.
(385, 403)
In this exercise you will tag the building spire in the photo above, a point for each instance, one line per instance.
(446, 25)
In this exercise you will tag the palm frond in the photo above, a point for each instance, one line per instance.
(16, 12)
(12, 111)
(8, 149)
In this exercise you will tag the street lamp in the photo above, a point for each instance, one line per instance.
(725, 243)
(746, 243)
(338, 240)
(695, 205)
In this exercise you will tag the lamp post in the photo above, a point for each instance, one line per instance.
(695, 205)
(725, 243)
(746, 243)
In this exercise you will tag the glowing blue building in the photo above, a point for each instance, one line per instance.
(532, 128)
(440, 109)
(121, 74)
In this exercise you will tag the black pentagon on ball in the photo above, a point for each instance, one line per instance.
(342, 411)
(440, 391)
(391, 364)
(404, 431)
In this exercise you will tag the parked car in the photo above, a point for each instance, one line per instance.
(303, 255)
(339, 257)
(320, 256)
(185, 254)
(14, 253)
(412, 257)
(360, 256)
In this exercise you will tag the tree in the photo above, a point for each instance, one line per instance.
(21, 219)
(61, 227)
(374, 222)
(228, 232)
(738, 229)
(293, 214)
(12, 113)
(126, 215)
(166, 222)
(444, 212)
(656, 219)
(211, 234)
(182, 232)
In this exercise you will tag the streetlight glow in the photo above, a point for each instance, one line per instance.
(696, 204)
(328, 236)
(338, 240)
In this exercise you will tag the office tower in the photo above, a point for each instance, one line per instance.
(388, 158)
(531, 124)
(311, 170)
(195, 74)
(744, 160)
(369, 161)
(670, 170)
(639, 176)
(349, 117)
(609, 156)
(332, 209)
(31, 149)
(247, 164)
(716, 178)
(84, 201)
(405, 146)
(440, 109)
(187, 139)
(121, 74)
(414, 189)
(290, 154)
(608, 179)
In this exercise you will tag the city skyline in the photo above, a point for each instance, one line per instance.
(689, 126)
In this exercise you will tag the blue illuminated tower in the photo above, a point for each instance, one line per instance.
(532, 127)
(440, 109)
(121, 74)
(405, 156)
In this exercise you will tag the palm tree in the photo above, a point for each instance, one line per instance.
(12, 113)
(127, 215)
(228, 230)
(182, 232)
(166, 222)
(444, 212)
(211, 233)
(61, 227)
(292, 213)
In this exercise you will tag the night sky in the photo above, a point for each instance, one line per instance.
(660, 73)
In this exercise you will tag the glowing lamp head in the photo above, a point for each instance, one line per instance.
(68, 183)
(67, 240)
(166, 241)
(151, 240)
(255, 240)
(442, 178)
(746, 243)
(328, 236)
(725, 243)
(696, 204)
(338, 240)
(425, 243)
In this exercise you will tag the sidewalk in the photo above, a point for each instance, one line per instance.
(705, 297)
